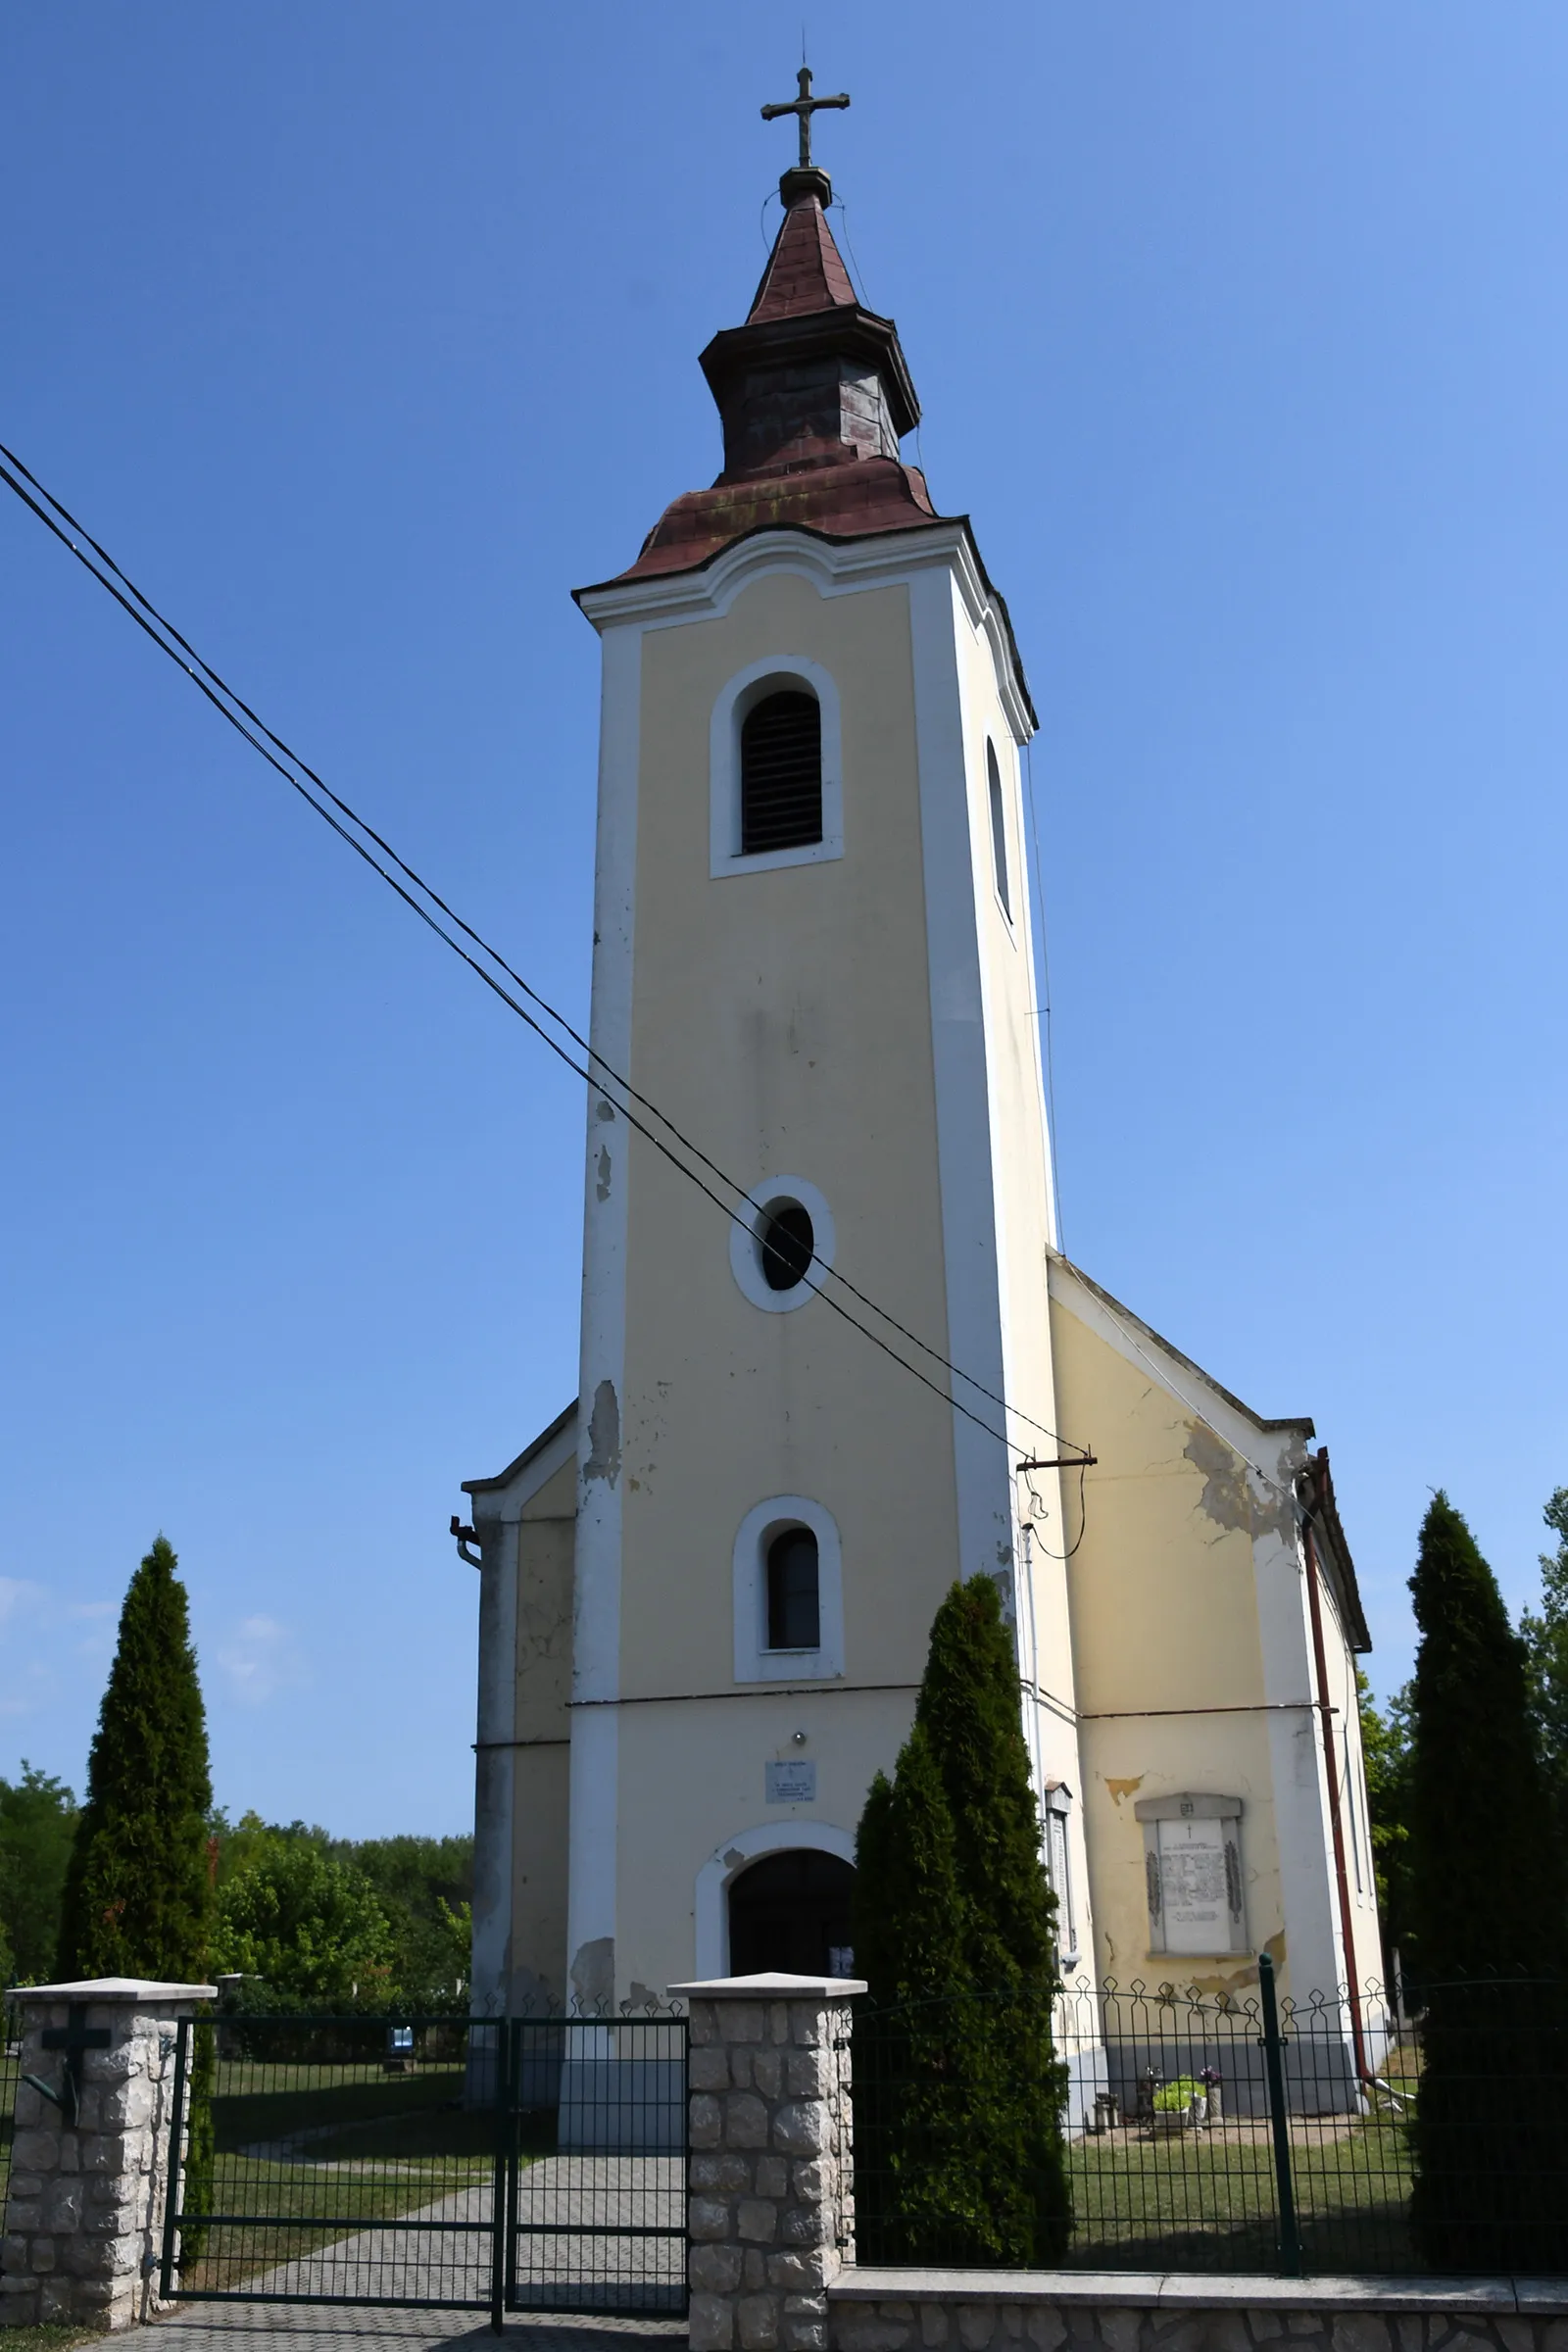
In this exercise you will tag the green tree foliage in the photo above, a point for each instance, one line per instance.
(137, 1898)
(1386, 1747)
(38, 1828)
(1486, 1891)
(969, 1710)
(311, 1929)
(425, 1887)
(1544, 1633)
(958, 2094)
(138, 1891)
(1485, 1881)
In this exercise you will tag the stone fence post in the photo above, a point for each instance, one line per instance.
(770, 2217)
(89, 2168)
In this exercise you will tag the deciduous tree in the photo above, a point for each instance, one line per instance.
(37, 1829)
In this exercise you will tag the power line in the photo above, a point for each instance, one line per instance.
(255, 732)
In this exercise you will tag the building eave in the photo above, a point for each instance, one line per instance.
(670, 597)
(1340, 1565)
(1299, 1423)
(526, 1458)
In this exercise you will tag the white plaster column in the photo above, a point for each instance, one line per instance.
(596, 1619)
(84, 2208)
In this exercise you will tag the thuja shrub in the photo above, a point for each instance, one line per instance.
(958, 2095)
(1486, 1893)
(138, 1898)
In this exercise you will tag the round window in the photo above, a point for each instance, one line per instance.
(781, 1244)
(786, 1239)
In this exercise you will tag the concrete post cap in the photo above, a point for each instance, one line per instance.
(771, 1985)
(126, 1991)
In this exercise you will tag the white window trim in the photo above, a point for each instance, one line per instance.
(1057, 1803)
(754, 1663)
(735, 699)
(745, 1245)
(1005, 799)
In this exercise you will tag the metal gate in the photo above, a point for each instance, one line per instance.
(535, 2164)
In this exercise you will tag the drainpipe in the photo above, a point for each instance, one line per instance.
(1324, 1716)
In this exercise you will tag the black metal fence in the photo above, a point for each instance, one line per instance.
(10, 2077)
(534, 2164)
(1207, 2131)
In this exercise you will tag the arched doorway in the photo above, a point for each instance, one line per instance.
(790, 1911)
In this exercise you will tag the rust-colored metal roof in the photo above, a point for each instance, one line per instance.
(805, 271)
(814, 394)
(854, 499)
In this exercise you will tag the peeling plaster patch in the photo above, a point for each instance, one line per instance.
(604, 1109)
(1118, 1789)
(642, 1996)
(1238, 1979)
(592, 1975)
(1230, 1496)
(604, 1436)
(734, 1858)
(603, 1185)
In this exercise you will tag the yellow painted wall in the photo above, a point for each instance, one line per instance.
(1165, 1616)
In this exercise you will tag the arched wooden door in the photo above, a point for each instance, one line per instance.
(790, 1911)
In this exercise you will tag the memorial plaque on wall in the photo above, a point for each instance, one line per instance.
(1193, 1886)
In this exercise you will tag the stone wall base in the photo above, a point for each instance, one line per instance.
(1080, 2311)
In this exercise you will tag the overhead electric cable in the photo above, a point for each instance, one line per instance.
(254, 729)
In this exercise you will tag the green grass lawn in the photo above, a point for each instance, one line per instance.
(1206, 2200)
(46, 2340)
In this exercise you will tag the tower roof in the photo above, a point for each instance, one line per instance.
(814, 395)
(805, 271)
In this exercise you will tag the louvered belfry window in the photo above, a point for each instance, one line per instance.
(781, 773)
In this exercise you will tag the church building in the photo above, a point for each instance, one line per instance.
(831, 1355)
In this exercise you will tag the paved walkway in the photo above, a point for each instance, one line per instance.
(563, 2198)
(240, 2326)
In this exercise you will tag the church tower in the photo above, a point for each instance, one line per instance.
(827, 1337)
(813, 952)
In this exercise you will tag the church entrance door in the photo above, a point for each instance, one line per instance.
(790, 1911)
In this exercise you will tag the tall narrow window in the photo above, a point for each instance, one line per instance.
(998, 829)
(794, 1615)
(781, 773)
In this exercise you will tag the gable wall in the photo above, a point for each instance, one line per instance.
(1165, 1607)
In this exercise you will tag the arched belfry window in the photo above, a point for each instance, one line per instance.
(789, 1592)
(998, 828)
(793, 1606)
(781, 773)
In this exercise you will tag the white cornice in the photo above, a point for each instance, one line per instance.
(837, 567)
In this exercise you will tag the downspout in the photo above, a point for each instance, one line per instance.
(1324, 1716)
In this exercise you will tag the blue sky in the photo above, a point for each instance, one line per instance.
(360, 335)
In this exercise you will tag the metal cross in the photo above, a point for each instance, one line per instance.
(805, 107)
(73, 2039)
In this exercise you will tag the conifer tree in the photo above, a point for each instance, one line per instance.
(1486, 1898)
(1486, 1889)
(1546, 1638)
(969, 1710)
(138, 1900)
(958, 2089)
